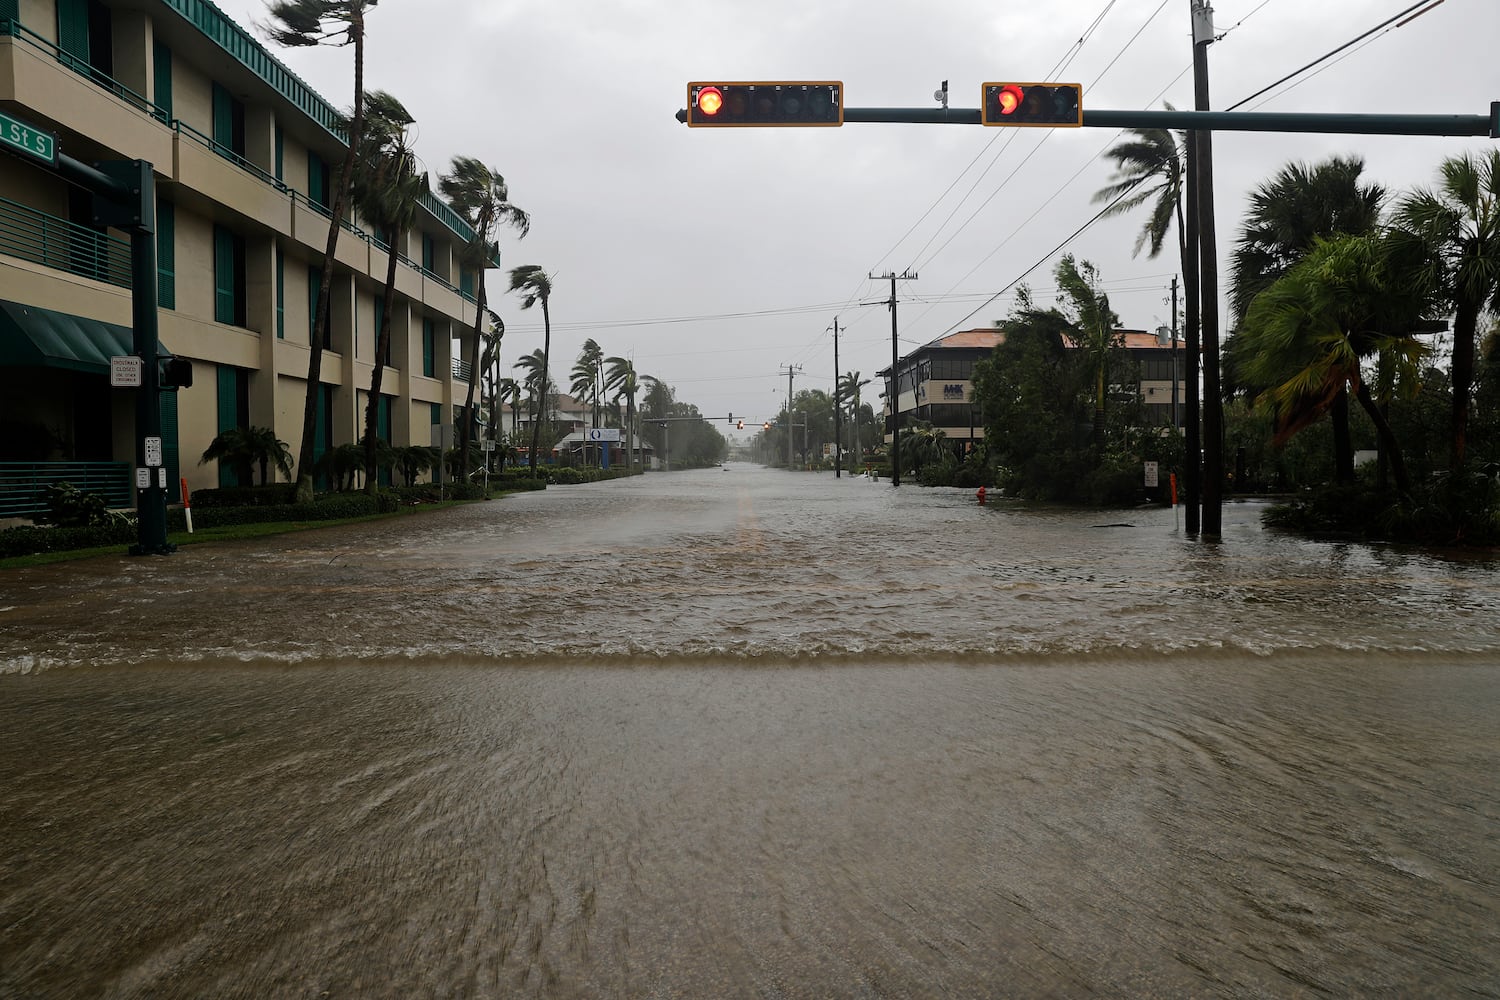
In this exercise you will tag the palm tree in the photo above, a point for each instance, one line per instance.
(480, 196)
(244, 447)
(1286, 217)
(849, 385)
(324, 22)
(588, 372)
(489, 367)
(1290, 212)
(535, 285)
(532, 380)
(620, 379)
(1093, 330)
(1150, 167)
(1307, 334)
(1458, 227)
(386, 188)
(922, 444)
(508, 390)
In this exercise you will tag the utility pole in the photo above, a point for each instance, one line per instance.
(894, 395)
(1208, 288)
(838, 423)
(790, 371)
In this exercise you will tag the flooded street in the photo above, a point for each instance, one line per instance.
(746, 733)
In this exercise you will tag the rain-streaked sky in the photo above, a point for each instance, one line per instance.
(715, 258)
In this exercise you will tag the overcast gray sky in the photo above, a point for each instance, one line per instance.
(715, 258)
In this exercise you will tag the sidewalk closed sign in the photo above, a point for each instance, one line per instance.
(1151, 474)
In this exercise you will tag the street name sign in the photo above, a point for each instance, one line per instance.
(28, 139)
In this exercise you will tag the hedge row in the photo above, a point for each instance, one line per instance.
(27, 540)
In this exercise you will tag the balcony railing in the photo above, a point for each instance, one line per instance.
(234, 40)
(46, 239)
(23, 485)
(461, 370)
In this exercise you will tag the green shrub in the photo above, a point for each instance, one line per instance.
(27, 540)
(245, 496)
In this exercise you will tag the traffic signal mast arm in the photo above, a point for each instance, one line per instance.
(1217, 121)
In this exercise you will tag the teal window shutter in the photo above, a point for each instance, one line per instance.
(161, 72)
(278, 154)
(466, 283)
(224, 275)
(229, 408)
(437, 412)
(280, 293)
(383, 430)
(10, 10)
(223, 119)
(166, 255)
(317, 180)
(429, 252)
(429, 349)
(73, 33)
(171, 451)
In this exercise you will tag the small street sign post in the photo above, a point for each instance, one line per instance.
(126, 372)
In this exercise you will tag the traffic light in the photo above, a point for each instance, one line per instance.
(740, 426)
(766, 426)
(175, 372)
(1046, 104)
(775, 103)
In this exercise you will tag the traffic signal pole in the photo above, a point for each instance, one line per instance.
(124, 194)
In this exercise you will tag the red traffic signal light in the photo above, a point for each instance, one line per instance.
(739, 426)
(771, 103)
(1051, 105)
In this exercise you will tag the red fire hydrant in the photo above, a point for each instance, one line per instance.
(980, 496)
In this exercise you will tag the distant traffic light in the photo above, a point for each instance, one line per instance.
(766, 426)
(739, 426)
(773, 103)
(1048, 104)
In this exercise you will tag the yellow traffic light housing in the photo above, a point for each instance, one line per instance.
(1048, 105)
(772, 103)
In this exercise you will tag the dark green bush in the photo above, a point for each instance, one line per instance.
(275, 494)
(26, 540)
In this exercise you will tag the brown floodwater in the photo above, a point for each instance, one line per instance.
(752, 733)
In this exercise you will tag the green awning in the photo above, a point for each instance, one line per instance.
(40, 338)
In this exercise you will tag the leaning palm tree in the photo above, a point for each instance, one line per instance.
(620, 379)
(1307, 335)
(1457, 227)
(1286, 217)
(535, 285)
(1290, 212)
(480, 196)
(489, 366)
(386, 190)
(1093, 328)
(324, 22)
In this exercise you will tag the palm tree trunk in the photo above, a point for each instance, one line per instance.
(467, 431)
(1390, 449)
(377, 375)
(536, 429)
(1343, 446)
(325, 284)
(1465, 320)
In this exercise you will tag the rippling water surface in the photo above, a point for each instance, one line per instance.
(749, 733)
